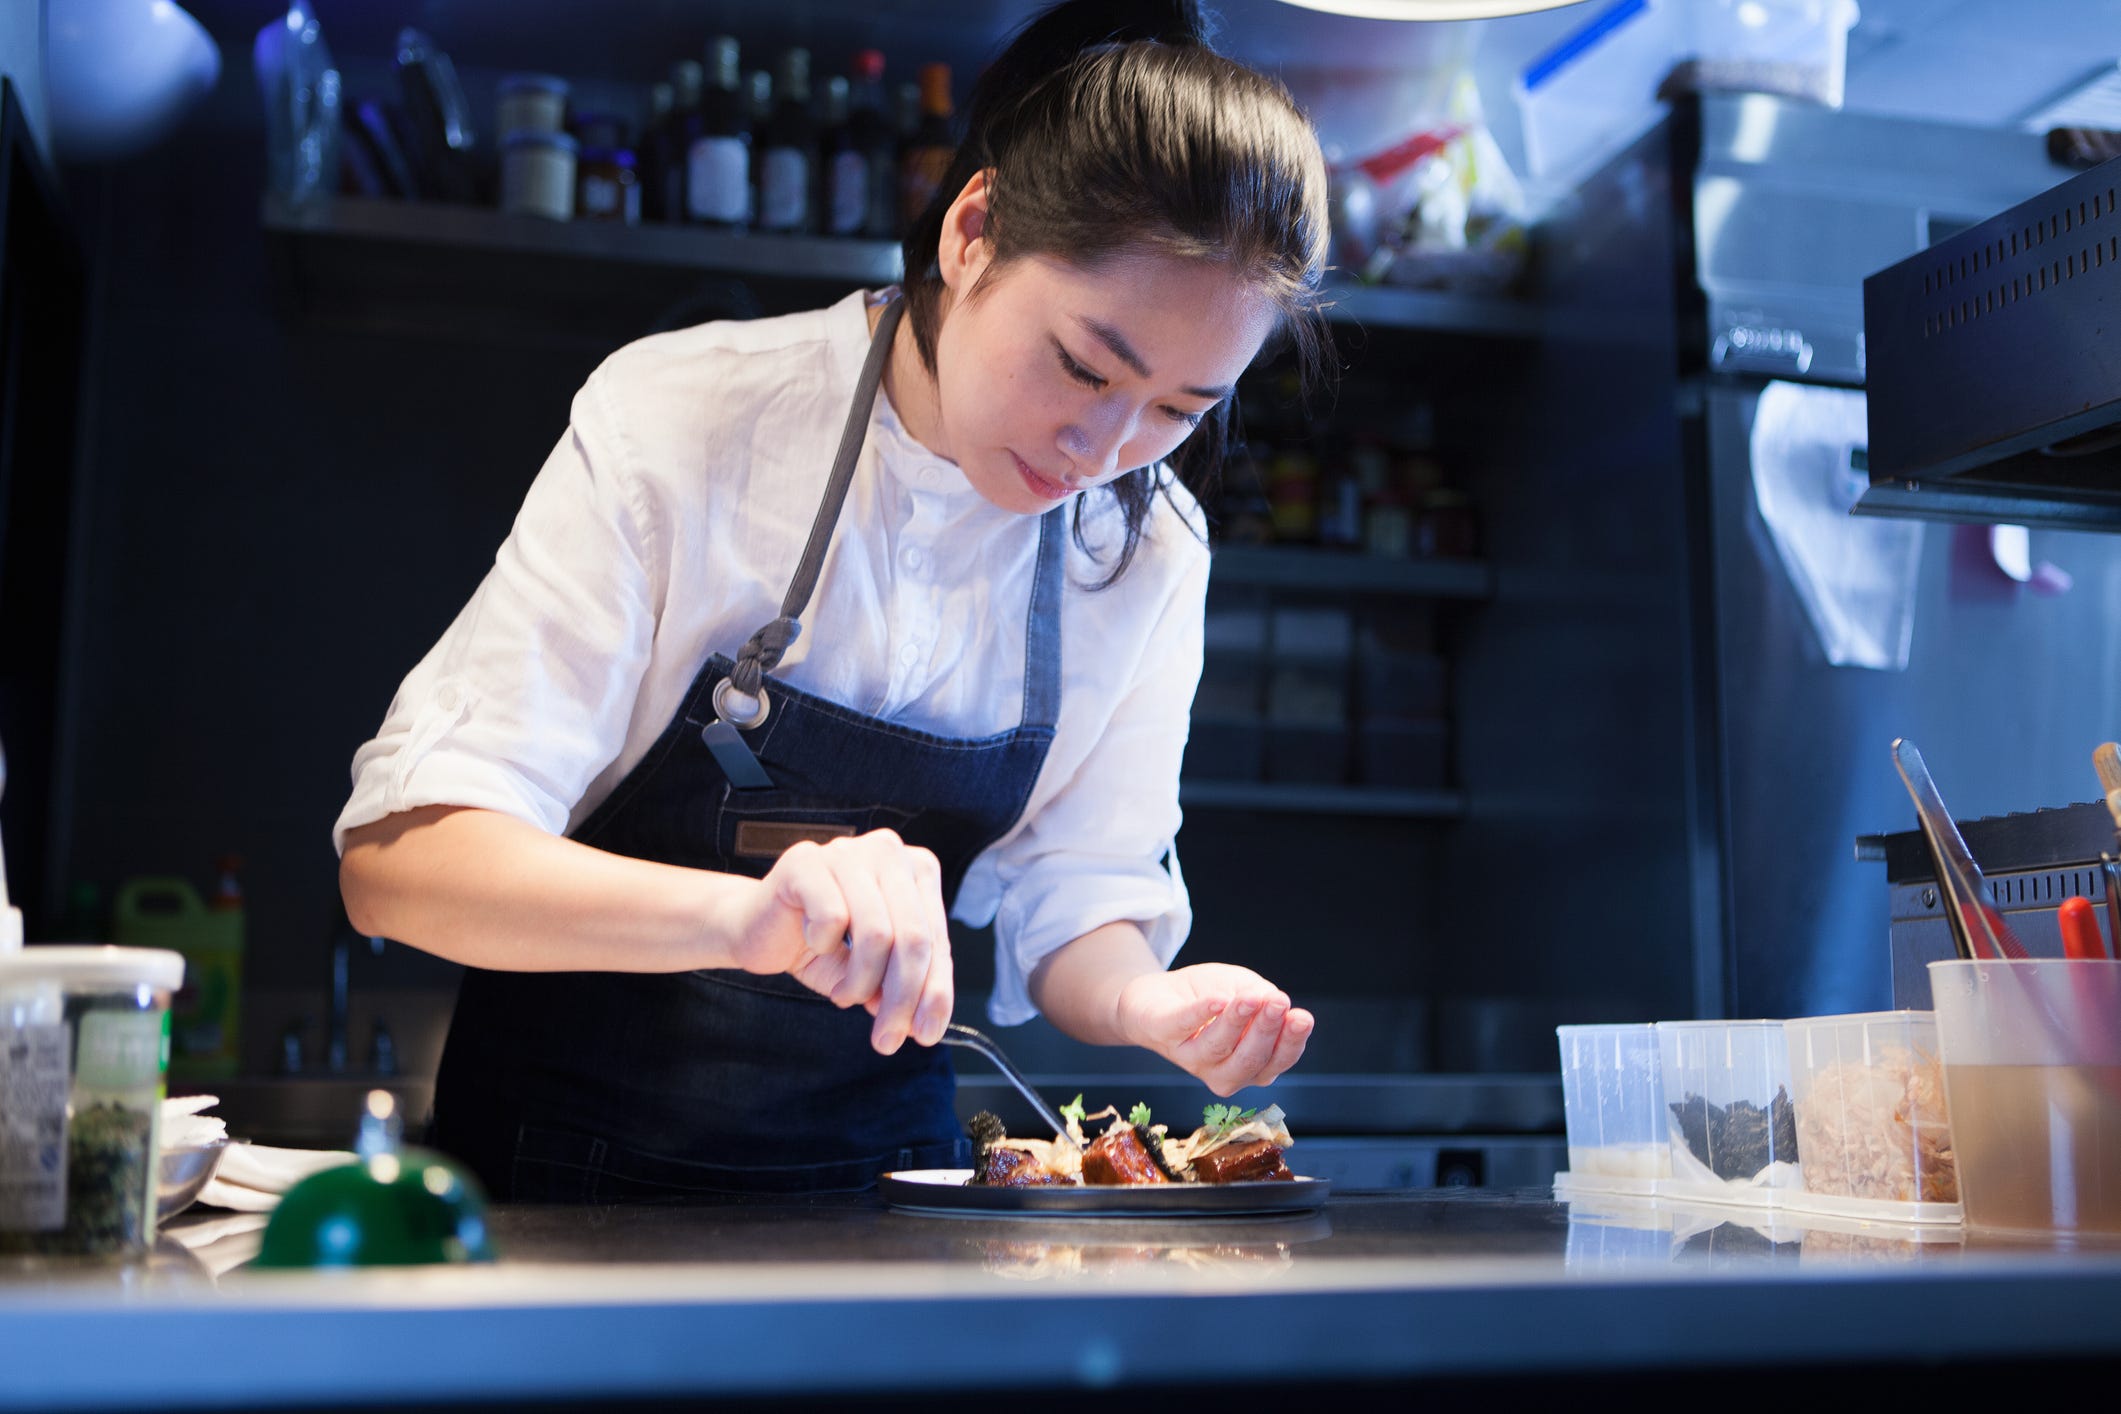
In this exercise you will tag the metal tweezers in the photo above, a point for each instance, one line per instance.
(957, 1034)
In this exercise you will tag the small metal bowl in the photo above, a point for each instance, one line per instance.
(183, 1173)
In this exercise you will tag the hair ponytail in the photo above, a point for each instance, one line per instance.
(1111, 127)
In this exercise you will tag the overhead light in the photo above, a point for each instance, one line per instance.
(1431, 9)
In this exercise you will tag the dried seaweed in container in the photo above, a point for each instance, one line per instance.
(1738, 1140)
(109, 1155)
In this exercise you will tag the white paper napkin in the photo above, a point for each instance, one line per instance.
(1855, 576)
(252, 1177)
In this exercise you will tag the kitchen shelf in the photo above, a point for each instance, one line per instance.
(1285, 798)
(477, 271)
(1302, 567)
(1385, 307)
(478, 228)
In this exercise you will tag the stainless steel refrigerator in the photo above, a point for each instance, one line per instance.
(1767, 215)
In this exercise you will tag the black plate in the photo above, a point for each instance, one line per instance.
(945, 1191)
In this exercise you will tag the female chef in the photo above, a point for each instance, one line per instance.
(815, 629)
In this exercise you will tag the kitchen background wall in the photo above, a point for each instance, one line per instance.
(282, 519)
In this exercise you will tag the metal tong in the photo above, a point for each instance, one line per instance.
(958, 1034)
(1978, 929)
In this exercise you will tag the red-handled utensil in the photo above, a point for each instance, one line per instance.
(2080, 931)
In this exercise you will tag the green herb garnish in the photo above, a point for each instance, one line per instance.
(1223, 1118)
(1073, 1110)
(1139, 1116)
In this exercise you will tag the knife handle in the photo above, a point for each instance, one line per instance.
(2080, 931)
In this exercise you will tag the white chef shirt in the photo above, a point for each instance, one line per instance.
(664, 528)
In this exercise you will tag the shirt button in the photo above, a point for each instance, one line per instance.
(931, 475)
(911, 559)
(449, 697)
(909, 655)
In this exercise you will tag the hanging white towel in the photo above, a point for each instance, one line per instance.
(1856, 576)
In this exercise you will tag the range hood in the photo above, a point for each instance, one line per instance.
(1995, 367)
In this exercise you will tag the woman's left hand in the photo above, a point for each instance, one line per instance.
(1226, 1025)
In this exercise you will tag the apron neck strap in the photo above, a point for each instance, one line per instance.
(762, 651)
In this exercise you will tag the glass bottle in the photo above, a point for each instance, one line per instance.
(758, 107)
(788, 156)
(654, 152)
(842, 196)
(718, 163)
(876, 139)
(687, 79)
(925, 159)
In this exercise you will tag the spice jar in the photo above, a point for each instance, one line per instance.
(1292, 491)
(606, 187)
(1445, 527)
(530, 103)
(84, 1048)
(537, 174)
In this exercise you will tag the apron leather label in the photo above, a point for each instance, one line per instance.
(767, 839)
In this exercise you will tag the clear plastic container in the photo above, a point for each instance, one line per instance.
(84, 1050)
(1797, 47)
(1595, 91)
(2032, 1072)
(1589, 95)
(1731, 1129)
(1612, 1096)
(1873, 1132)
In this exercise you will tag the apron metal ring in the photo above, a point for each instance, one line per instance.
(724, 692)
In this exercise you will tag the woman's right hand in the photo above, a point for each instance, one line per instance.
(859, 920)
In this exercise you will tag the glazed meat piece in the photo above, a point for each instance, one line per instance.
(1119, 1155)
(1239, 1163)
(1012, 1168)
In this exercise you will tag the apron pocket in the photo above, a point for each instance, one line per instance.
(754, 827)
(553, 1166)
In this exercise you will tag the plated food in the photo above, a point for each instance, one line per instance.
(1230, 1146)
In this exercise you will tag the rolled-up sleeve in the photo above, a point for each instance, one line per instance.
(1102, 847)
(527, 696)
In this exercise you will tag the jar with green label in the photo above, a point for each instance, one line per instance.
(84, 1055)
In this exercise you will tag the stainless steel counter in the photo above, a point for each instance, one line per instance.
(829, 1298)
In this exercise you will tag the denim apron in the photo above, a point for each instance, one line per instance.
(608, 1086)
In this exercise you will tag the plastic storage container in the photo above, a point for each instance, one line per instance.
(2032, 1073)
(1595, 91)
(206, 1015)
(1612, 1097)
(1731, 1129)
(84, 1050)
(1585, 98)
(1872, 1127)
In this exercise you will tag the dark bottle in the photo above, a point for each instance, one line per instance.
(758, 106)
(907, 119)
(718, 163)
(925, 159)
(874, 137)
(788, 154)
(686, 81)
(655, 153)
(841, 199)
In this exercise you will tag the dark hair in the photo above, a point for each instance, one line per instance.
(1111, 128)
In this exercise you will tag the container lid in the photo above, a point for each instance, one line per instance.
(532, 83)
(1712, 1023)
(90, 968)
(530, 137)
